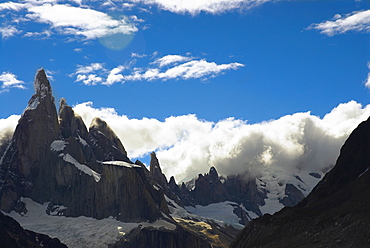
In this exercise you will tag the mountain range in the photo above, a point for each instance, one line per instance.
(78, 185)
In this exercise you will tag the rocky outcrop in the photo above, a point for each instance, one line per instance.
(154, 237)
(57, 160)
(105, 143)
(209, 189)
(29, 151)
(12, 235)
(243, 189)
(334, 214)
(156, 171)
(292, 196)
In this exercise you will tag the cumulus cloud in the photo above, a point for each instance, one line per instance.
(356, 21)
(7, 127)
(187, 146)
(75, 21)
(194, 7)
(9, 80)
(164, 68)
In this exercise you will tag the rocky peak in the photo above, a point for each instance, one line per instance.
(209, 189)
(101, 126)
(105, 143)
(71, 125)
(213, 175)
(42, 85)
(156, 171)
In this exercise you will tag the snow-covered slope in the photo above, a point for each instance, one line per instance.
(78, 232)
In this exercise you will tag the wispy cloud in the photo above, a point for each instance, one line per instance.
(197, 6)
(356, 21)
(165, 68)
(367, 82)
(74, 21)
(8, 31)
(9, 80)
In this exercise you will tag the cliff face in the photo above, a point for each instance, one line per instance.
(57, 160)
(336, 212)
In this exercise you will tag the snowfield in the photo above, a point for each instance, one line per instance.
(78, 232)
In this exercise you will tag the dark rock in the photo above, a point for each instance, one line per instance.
(156, 171)
(105, 143)
(153, 238)
(243, 190)
(29, 151)
(209, 189)
(69, 174)
(293, 196)
(315, 175)
(12, 235)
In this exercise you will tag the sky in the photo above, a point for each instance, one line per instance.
(226, 83)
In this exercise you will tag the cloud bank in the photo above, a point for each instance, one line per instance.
(187, 146)
(356, 21)
(164, 68)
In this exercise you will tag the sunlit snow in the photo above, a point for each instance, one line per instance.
(68, 158)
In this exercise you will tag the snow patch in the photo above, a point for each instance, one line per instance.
(32, 104)
(85, 169)
(82, 141)
(121, 163)
(58, 145)
(222, 211)
(79, 232)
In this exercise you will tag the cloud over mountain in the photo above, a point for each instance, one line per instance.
(186, 145)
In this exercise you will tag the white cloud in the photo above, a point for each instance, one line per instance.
(194, 7)
(114, 76)
(7, 127)
(356, 21)
(187, 146)
(9, 80)
(8, 31)
(12, 6)
(367, 82)
(136, 55)
(90, 68)
(190, 70)
(171, 59)
(177, 69)
(80, 22)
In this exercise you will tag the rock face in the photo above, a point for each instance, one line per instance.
(336, 212)
(12, 235)
(57, 160)
(153, 238)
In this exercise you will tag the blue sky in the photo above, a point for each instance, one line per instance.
(251, 60)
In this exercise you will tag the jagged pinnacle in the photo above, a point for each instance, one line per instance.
(42, 85)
